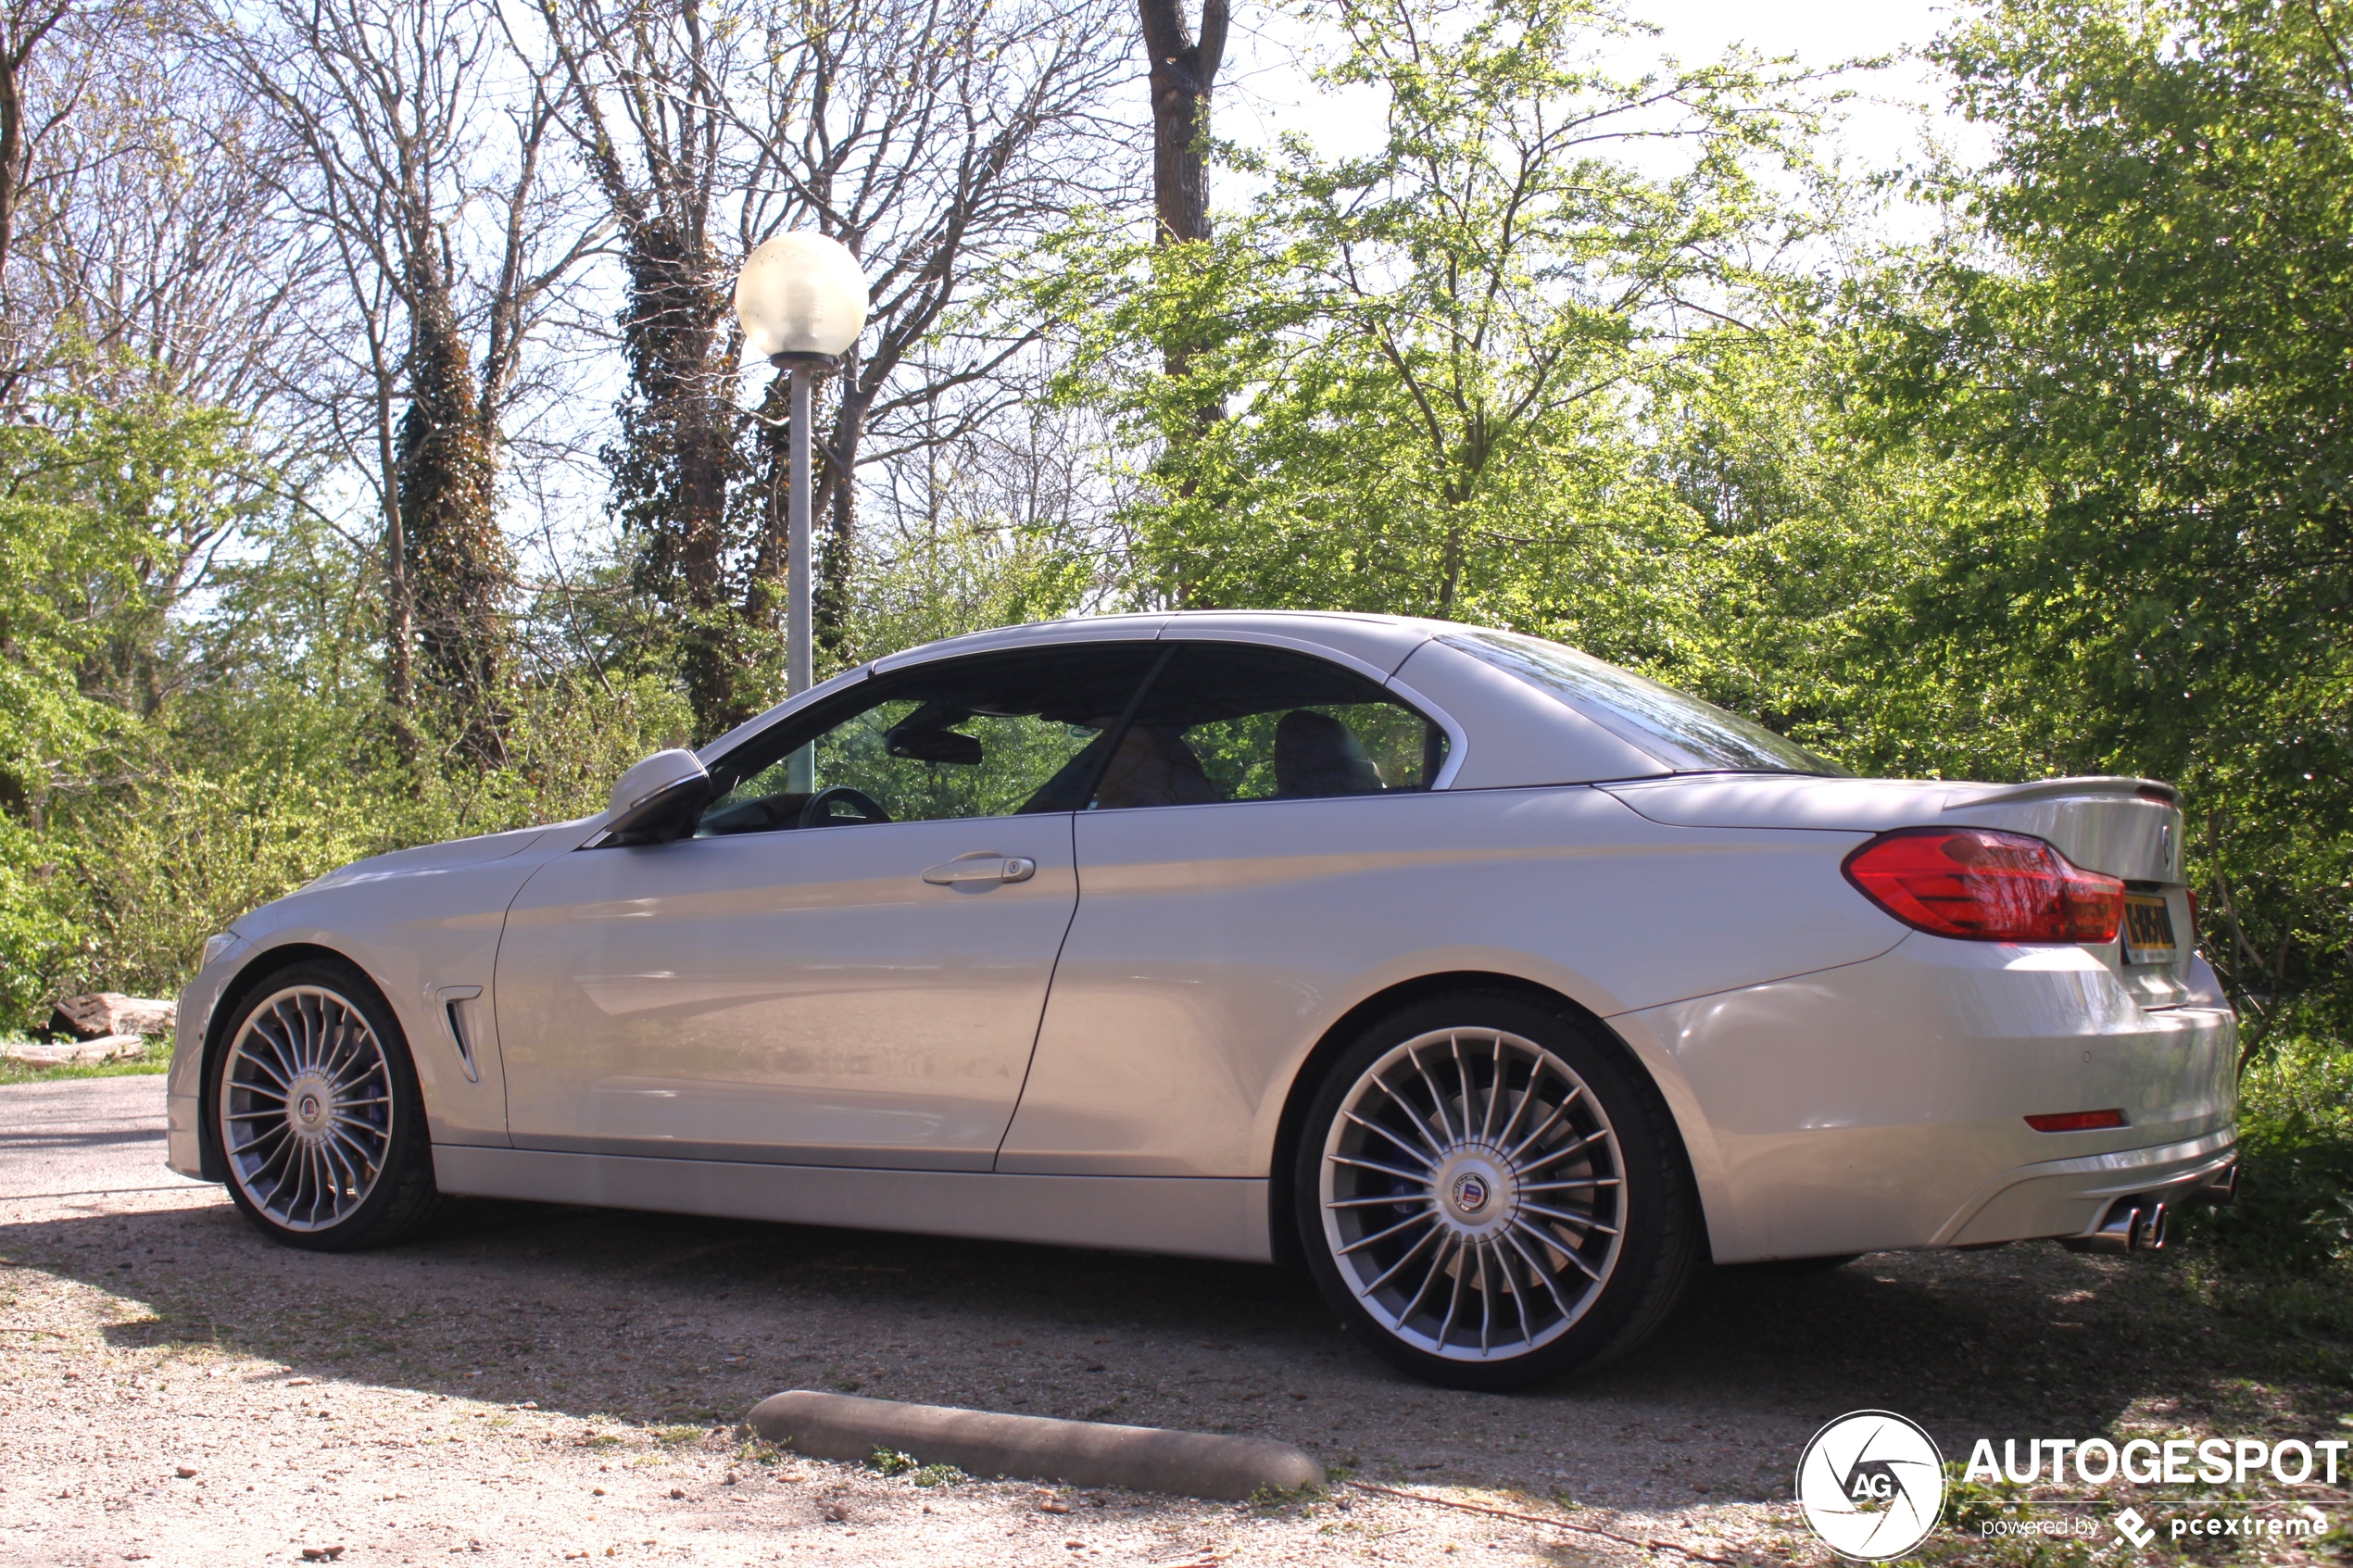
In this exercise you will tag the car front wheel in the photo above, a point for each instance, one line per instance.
(319, 1116)
(1492, 1195)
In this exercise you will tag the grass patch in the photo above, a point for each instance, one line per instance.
(892, 1461)
(156, 1057)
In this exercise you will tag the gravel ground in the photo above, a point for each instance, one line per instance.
(533, 1383)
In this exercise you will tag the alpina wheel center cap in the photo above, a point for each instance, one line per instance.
(1475, 1191)
(313, 1105)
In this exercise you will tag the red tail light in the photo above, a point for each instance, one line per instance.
(1986, 887)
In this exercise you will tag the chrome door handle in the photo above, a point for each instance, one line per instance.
(983, 867)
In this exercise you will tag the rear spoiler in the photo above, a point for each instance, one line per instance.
(2047, 789)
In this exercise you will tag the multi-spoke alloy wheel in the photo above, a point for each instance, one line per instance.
(306, 1108)
(317, 1113)
(1473, 1194)
(1493, 1193)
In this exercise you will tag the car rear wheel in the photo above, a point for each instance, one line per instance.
(1492, 1194)
(316, 1109)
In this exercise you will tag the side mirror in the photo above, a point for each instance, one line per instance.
(655, 801)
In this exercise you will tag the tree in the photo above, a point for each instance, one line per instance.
(105, 514)
(2142, 367)
(1437, 355)
(159, 252)
(391, 103)
(934, 141)
(644, 89)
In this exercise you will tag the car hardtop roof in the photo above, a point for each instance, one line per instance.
(1382, 641)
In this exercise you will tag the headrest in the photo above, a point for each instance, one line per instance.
(1316, 754)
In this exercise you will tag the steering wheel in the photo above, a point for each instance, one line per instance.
(818, 812)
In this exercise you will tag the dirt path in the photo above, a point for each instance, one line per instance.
(533, 1383)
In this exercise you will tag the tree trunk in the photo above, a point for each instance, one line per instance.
(22, 26)
(1183, 70)
(458, 572)
(399, 614)
(838, 462)
(679, 454)
(764, 589)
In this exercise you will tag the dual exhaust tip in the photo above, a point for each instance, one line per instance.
(2128, 1228)
(2138, 1223)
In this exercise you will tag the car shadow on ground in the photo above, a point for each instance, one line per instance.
(669, 1320)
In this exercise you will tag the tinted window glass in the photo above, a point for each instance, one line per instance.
(1233, 722)
(1684, 732)
(994, 735)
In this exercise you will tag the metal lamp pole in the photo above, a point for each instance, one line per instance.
(802, 299)
(799, 598)
(798, 601)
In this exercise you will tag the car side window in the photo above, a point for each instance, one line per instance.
(1239, 722)
(991, 735)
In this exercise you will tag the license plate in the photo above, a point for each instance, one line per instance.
(2148, 929)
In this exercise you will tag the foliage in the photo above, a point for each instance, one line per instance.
(963, 575)
(176, 770)
(2138, 368)
(2061, 491)
(102, 510)
(2295, 1211)
(1434, 359)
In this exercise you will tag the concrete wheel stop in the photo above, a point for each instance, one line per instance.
(1079, 1453)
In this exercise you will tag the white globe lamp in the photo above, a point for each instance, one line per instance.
(802, 299)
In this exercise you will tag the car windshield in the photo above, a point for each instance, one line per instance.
(1682, 732)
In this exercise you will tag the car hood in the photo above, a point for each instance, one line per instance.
(427, 860)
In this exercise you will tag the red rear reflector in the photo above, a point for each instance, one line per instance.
(2076, 1121)
(2193, 933)
(1983, 885)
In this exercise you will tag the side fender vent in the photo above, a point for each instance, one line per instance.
(453, 999)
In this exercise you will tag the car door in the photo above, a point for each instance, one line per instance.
(1251, 834)
(846, 963)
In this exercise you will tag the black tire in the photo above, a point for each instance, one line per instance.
(1605, 1141)
(314, 1052)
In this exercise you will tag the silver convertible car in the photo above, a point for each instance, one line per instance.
(1499, 985)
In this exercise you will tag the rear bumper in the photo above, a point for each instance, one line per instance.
(2070, 1197)
(1884, 1104)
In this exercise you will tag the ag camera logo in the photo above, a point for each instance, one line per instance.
(1872, 1485)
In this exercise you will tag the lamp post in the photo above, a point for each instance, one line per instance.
(803, 301)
